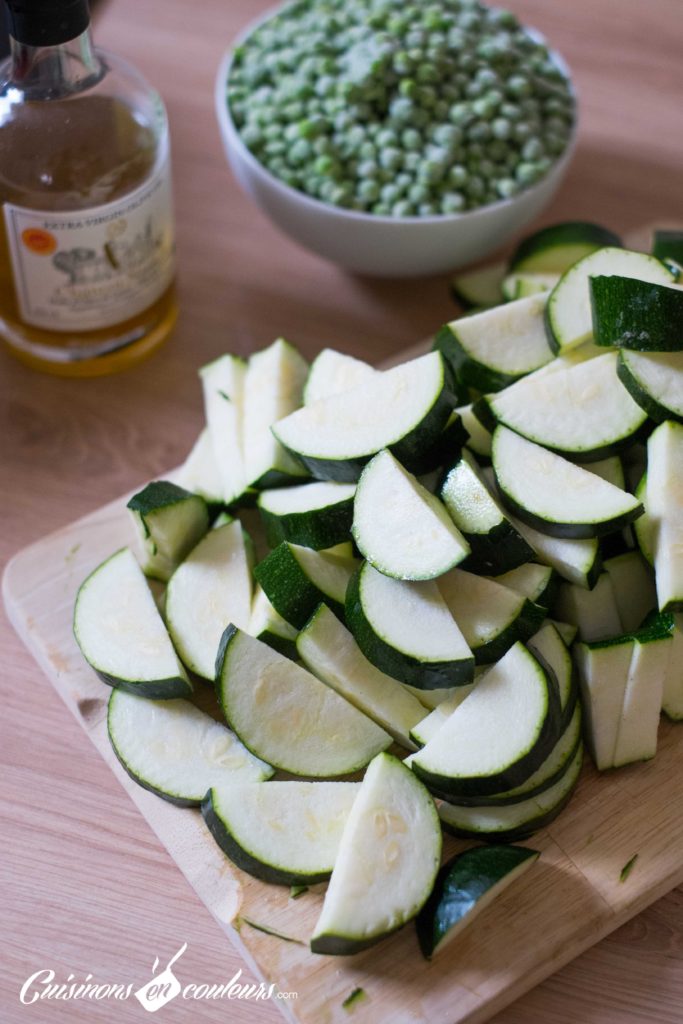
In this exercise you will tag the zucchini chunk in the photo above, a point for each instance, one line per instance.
(663, 504)
(550, 649)
(286, 833)
(208, 591)
(566, 630)
(668, 245)
(425, 729)
(643, 695)
(286, 716)
(268, 626)
(168, 522)
(521, 286)
(479, 440)
(638, 315)
(431, 699)
(175, 750)
(513, 822)
(655, 381)
(568, 313)
(382, 876)
(499, 735)
(333, 372)
(610, 469)
(273, 388)
(603, 669)
(672, 695)
(554, 249)
(400, 528)
(582, 412)
(578, 561)
(492, 617)
(199, 472)
(490, 350)
(537, 582)
(404, 409)
(595, 612)
(464, 887)
(479, 287)
(406, 630)
(223, 388)
(317, 515)
(121, 634)
(297, 579)
(553, 495)
(495, 544)
(634, 588)
(330, 652)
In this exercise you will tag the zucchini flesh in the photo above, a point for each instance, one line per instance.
(499, 735)
(223, 388)
(655, 381)
(317, 515)
(492, 349)
(594, 612)
(464, 886)
(639, 721)
(329, 651)
(381, 877)
(268, 626)
(672, 695)
(603, 672)
(297, 579)
(548, 646)
(537, 582)
(479, 287)
(582, 412)
(634, 589)
(400, 527)
(406, 630)
(514, 821)
(177, 751)
(285, 833)
(286, 716)
(664, 507)
(332, 372)
(273, 388)
(208, 591)
(199, 472)
(577, 561)
(404, 409)
(551, 494)
(121, 634)
(521, 286)
(640, 315)
(168, 522)
(566, 630)
(568, 313)
(427, 728)
(558, 247)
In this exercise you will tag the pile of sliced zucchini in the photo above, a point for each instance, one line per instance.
(448, 598)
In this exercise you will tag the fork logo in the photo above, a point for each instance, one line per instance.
(161, 988)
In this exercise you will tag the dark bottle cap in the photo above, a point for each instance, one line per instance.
(46, 22)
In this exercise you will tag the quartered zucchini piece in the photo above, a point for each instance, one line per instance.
(537, 582)
(665, 510)
(332, 372)
(479, 287)
(639, 315)
(655, 381)
(223, 388)
(168, 522)
(549, 647)
(297, 579)
(199, 473)
(595, 612)
(317, 515)
(554, 249)
(267, 625)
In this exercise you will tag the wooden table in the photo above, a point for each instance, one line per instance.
(87, 887)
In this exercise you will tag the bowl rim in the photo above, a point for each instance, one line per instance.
(232, 137)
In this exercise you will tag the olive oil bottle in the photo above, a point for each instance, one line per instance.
(86, 221)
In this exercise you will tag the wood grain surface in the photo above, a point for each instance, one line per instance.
(87, 888)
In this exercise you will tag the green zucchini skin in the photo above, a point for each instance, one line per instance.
(158, 494)
(468, 372)
(243, 859)
(460, 883)
(340, 945)
(639, 315)
(280, 644)
(524, 626)
(446, 450)
(668, 245)
(497, 551)
(295, 603)
(533, 250)
(655, 410)
(156, 689)
(569, 531)
(317, 528)
(422, 675)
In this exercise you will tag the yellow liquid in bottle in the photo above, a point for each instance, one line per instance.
(69, 155)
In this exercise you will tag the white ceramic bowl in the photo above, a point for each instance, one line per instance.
(382, 246)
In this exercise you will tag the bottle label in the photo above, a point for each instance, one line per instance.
(93, 268)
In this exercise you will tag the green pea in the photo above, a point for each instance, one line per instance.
(452, 202)
(369, 191)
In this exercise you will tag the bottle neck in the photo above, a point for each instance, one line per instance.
(54, 72)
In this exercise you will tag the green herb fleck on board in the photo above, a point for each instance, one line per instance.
(297, 890)
(356, 997)
(628, 868)
(269, 931)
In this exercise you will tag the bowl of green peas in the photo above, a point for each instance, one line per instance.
(396, 139)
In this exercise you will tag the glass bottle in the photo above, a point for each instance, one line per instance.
(86, 225)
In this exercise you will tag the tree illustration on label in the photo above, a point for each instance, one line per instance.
(161, 988)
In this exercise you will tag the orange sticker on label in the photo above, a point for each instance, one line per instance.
(39, 241)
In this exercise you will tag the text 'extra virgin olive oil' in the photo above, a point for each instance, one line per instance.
(86, 219)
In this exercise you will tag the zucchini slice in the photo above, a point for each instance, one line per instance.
(297, 579)
(431, 699)
(634, 588)
(499, 735)
(177, 751)
(286, 716)
(554, 249)
(644, 528)
(479, 287)
(168, 522)
(672, 696)
(427, 728)
(582, 412)
(400, 527)
(655, 381)
(406, 630)
(479, 440)
(603, 672)
(514, 821)
(332, 372)
(404, 409)
(668, 245)
(317, 515)
(521, 286)
(578, 561)
(553, 495)
(594, 612)
(464, 886)
(663, 497)
(330, 652)
(492, 617)
(495, 544)
(568, 313)
(381, 876)
(639, 315)
(199, 472)
(286, 833)
(537, 582)
(273, 388)
(223, 388)
(268, 626)
(490, 350)
(121, 634)
(610, 469)
(643, 695)
(208, 591)
(548, 646)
